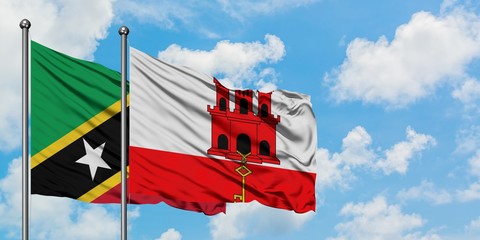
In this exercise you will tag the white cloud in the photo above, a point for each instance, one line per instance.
(448, 5)
(244, 67)
(242, 9)
(471, 231)
(398, 157)
(468, 93)
(331, 171)
(337, 168)
(420, 236)
(170, 234)
(11, 195)
(411, 66)
(473, 226)
(468, 140)
(472, 193)
(357, 152)
(253, 218)
(52, 217)
(92, 222)
(73, 27)
(425, 191)
(133, 213)
(474, 163)
(378, 220)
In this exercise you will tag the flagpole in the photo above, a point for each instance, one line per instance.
(123, 31)
(25, 26)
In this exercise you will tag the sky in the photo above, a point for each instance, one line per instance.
(395, 88)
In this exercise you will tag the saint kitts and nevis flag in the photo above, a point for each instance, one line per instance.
(194, 144)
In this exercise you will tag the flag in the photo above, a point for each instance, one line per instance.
(193, 139)
(75, 132)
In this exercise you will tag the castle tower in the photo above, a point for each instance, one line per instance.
(242, 130)
(221, 131)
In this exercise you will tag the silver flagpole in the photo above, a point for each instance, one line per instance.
(123, 31)
(25, 26)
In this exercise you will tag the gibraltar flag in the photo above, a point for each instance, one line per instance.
(194, 140)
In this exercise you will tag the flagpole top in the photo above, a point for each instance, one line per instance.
(25, 24)
(123, 30)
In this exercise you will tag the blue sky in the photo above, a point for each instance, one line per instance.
(394, 86)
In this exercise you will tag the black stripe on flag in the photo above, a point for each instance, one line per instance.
(61, 175)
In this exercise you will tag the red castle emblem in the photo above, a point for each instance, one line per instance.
(253, 135)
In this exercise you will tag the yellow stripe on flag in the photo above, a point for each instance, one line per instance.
(76, 133)
(102, 188)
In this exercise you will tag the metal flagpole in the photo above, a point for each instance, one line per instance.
(25, 26)
(123, 31)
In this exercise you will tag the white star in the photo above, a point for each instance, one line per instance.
(93, 158)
